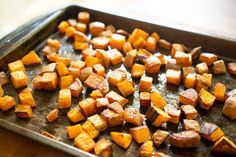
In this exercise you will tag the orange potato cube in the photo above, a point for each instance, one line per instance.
(48, 81)
(127, 47)
(16, 66)
(186, 71)
(52, 57)
(96, 28)
(176, 47)
(165, 44)
(54, 43)
(145, 84)
(88, 52)
(190, 81)
(117, 41)
(126, 88)
(140, 134)
(19, 79)
(137, 70)
(219, 91)
(90, 61)
(66, 81)
(96, 94)
(90, 129)
(151, 44)
(74, 72)
(31, 58)
(156, 36)
(88, 106)
(7, 102)
(130, 58)
(219, 67)
(172, 64)
(159, 137)
(99, 69)
(62, 69)
(210, 131)
(133, 116)
(143, 55)
(99, 123)
(84, 141)
(146, 149)
(77, 64)
(161, 57)
(84, 73)
(63, 26)
(116, 107)
(203, 82)
(64, 98)
(81, 27)
(101, 104)
(206, 99)
(84, 17)
(3, 78)
(36, 82)
(76, 88)
(189, 111)
(202, 68)
(48, 68)
(136, 34)
(70, 31)
(26, 98)
(114, 97)
(49, 50)
(52, 115)
(189, 96)
(80, 37)
(189, 124)
(183, 59)
(75, 115)
(116, 76)
(74, 130)
(103, 148)
(139, 43)
(174, 114)
(122, 139)
(93, 81)
(112, 118)
(103, 57)
(157, 100)
(100, 42)
(115, 56)
(208, 58)
(23, 111)
(145, 99)
(80, 45)
(232, 68)
(173, 76)
(152, 65)
(64, 60)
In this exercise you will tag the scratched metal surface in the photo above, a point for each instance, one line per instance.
(47, 101)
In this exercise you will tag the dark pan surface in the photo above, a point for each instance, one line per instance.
(46, 101)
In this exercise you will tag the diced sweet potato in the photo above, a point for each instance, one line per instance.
(232, 68)
(186, 71)
(219, 67)
(78, 45)
(89, 127)
(23, 111)
(203, 81)
(76, 88)
(145, 99)
(52, 57)
(99, 123)
(152, 65)
(64, 98)
(96, 27)
(103, 148)
(139, 43)
(224, 146)
(7, 102)
(122, 139)
(164, 44)
(81, 37)
(70, 31)
(208, 58)
(140, 134)
(63, 26)
(126, 88)
(114, 97)
(183, 59)
(173, 76)
(145, 84)
(116, 76)
(195, 52)
(190, 81)
(48, 68)
(84, 17)
(117, 41)
(151, 44)
(100, 42)
(172, 64)
(229, 109)
(146, 149)
(136, 34)
(157, 100)
(127, 47)
(115, 56)
(26, 98)
(130, 58)
(3, 78)
(161, 57)
(101, 104)
(143, 55)
(103, 57)
(176, 47)
(16, 66)
(206, 99)
(19, 79)
(37, 82)
(95, 94)
(189, 124)
(77, 64)
(137, 70)
(174, 114)
(90, 61)
(210, 131)
(74, 72)
(112, 118)
(132, 115)
(116, 107)
(74, 130)
(189, 111)
(81, 27)
(66, 81)
(75, 115)
(104, 87)
(47, 50)
(52, 115)
(122, 32)
(88, 106)
(219, 91)
(62, 69)
(54, 43)
(159, 137)
(202, 68)
(64, 60)
(156, 36)
(31, 58)
(84, 73)
(99, 69)
(84, 142)
(48, 81)
(93, 81)
(189, 96)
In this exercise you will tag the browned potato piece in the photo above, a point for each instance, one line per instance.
(99, 123)
(114, 97)
(137, 70)
(3, 78)
(88, 106)
(49, 50)
(224, 146)
(103, 148)
(100, 42)
(189, 96)
(88, 52)
(145, 84)
(23, 111)
(112, 118)
(80, 37)
(49, 81)
(101, 104)
(203, 81)
(159, 137)
(186, 71)
(126, 88)
(116, 76)
(174, 114)
(1, 91)
(16, 66)
(176, 47)
(116, 107)
(99, 69)
(146, 149)
(95, 94)
(219, 67)
(7, 102)
(132, 115)
(208, 58)
(115, 56)
(189, 111)
(96, 27)
(103, 57)
(189, 124)
(19, 79)
(84, 142)
(93, 81)
(140, 134)
(172, 64)
(183, 59)
(26, 98)
(77, 64)
(206, 99)
(196, 52)
(173, 76)
(52, 115)
(152, 65)
(232, 68)
(219, 91)
(210, 131)
(164, 44)
(202, 68)
(145, 99)
(84, 73)
(48, 68)
(185, 139)
(229, 109)
(143, 55)
(74, 72)
(130, 58)
(89, 127)
(84, 17)
(75, 115)
(76, 88)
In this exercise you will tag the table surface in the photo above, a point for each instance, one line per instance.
(216, 18)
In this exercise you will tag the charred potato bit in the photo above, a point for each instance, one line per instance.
(159, 137)
(210, 131)
(140, 134)
(189, 96)
(189, 111)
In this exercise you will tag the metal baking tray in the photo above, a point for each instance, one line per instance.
(33, 36)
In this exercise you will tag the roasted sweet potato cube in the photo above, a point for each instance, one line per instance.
(146, 149)
(186, 71)
(3, 78)
(26, 98)
(137, 70)
(99, 123)
(219, 91)
(111, 28)
(172, 64)
(133, 116)
(84, 17)
(112, 118)
(117, 41)
(84, 73)
(90, 61)
(130, 58)
(161, 57)
(89, 127)
(70, 31)
(232, 68)
(190, 124)
(145, 99)
(151, 44)
(76, 88)
(52, 57)
(173, 76)
(74, 130)
(206, 99)
(189, 111)
(100, 42)
(49, 81)
(165, 44)
(145, 84)
(189, 96)
(81, 37)
(95, 94)
(7, 102)
(31, 58)
(74, 72)
(139, 43)
(54, 43)
(174, 114)
(140, 134)
(157, 100)
(103, 148)
(66, 81)
(37, 82)
(156, 116)
(19, 79)
(208, 58)
(203, 81)
(62, 69)
(183, 59)
(48, 68)
(210, 131)
(104, 87)
(136, 34)
(116, 76)
(75, 115)
(190, 81)
(77, 64)
(78, 45)
(52, 115)
(219, 67)
(176, 47)
(116, 107)
(64, 98)
(64, 60)
(81, 27)
(143, 55)
(63, 26)
(122, 139)
(114, 97)
(84, 141)
(224, 146)
(99, 69)
(115, 56)
(47, 50)
(159, 137)
(16, 66)
(88, 106)
(103, 57)
(152, 65)
(126, 88)
(156, 36)
(23, 111)
(229, 108)
(93, 81)
(102, 103)
(202, 68)
(127, 47)
(96, 27)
